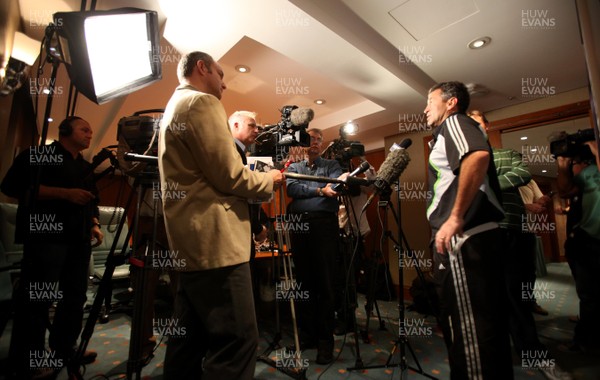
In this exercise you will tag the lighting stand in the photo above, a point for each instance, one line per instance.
(401, 342)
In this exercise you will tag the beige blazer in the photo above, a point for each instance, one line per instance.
(204, 185)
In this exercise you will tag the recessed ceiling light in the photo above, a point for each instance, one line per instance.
(544, 171)
(320, 101)
(242, 69)
(524, 138)
(479, 43)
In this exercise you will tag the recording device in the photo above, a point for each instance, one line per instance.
(138, 132)
(565, 145)
(363, 167)
(138, 135)
(344, 150)
(290, 131)
(394, 164)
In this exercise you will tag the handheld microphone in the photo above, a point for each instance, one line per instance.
(300, 117)
(394, 164)
(363, 167)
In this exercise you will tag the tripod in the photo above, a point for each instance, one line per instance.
(104, 290)
(283, 259)
(401, 342)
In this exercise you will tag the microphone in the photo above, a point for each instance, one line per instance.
(300, 117)
(363, 167)
(391, 168)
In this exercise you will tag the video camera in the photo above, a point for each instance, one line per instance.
(138, 134)
(572, 145)
(275, 140)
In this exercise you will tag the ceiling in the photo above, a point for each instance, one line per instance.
(372, 61)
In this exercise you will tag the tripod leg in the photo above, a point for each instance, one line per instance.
(103, 287)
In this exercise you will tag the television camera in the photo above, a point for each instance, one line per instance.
(138, 135)
(572, 145)
(275, 140)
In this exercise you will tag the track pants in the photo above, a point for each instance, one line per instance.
(473, 310)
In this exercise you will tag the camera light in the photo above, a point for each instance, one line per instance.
(349, 129)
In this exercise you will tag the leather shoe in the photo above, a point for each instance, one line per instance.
(325, 352)
(89, 357)
(538, 309)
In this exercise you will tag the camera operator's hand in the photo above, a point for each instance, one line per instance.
(594, 148)
(563, 163)
(277, 176)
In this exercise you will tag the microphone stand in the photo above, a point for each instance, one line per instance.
(401, 342)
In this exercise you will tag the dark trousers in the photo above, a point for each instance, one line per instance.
(216, 308)
(518, 258)
(472, 309)
(587, 266)
(49, 273)
(314, 249)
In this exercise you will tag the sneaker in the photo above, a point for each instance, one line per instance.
(555, 373)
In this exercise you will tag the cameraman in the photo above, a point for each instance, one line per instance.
(578, 176)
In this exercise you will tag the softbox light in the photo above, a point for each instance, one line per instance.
(109, 53)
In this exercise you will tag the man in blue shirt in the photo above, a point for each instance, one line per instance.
(314, 231)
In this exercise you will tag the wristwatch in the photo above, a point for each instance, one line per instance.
(320, 191)
(96, 224)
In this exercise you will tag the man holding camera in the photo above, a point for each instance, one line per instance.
(578, 176)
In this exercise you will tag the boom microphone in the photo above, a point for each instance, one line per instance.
(363, 167)
(391, 168)
(300, 117)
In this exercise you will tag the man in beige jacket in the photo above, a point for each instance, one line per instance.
(204, 189)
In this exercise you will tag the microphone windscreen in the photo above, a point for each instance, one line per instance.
(392, 167)
(301, 116)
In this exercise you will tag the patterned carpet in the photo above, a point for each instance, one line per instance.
(555, 292)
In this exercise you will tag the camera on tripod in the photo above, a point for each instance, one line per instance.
(138, 134)
(275, 140)
(572, 145)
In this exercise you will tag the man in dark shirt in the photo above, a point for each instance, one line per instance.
(244, 130)
(56, 225)
(314, 232)
(464, 212)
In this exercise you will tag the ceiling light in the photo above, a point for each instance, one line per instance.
(479, 43)
(242, 69)
(524, 138)
(544, 171)
(320, 101)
